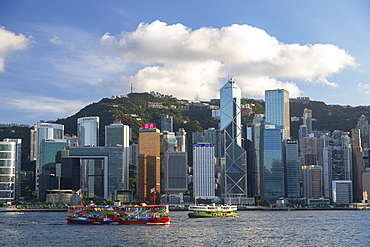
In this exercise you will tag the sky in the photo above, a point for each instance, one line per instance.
(58, 56)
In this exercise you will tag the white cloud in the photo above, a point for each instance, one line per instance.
(40, 107)
(192, 63)
(56, 40)
(10, 42)
(361, 87)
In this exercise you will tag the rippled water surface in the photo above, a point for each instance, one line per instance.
(250, 228)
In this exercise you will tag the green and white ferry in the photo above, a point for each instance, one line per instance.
(212, 211)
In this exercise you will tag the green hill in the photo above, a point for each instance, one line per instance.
(134, 110)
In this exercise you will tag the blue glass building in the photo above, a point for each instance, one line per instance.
(273, 174)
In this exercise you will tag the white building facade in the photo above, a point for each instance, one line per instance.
(203, 171)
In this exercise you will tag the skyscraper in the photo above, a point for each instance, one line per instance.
(167, 123)
(203, 171)
(337, 159)
(292, 189)
(9, 169)
(149, 162)
(176, 172)
(357, 165)
(181, 140)
(118, 134)
(88, 131)
(312, 181)
(307, 119)
(235, 171)
(363, 125)
(273, 173)
(277, 110)
(45, 131)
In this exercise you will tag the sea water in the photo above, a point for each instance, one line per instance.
(249, 228)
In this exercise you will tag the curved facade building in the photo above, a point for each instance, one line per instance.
(88, 131)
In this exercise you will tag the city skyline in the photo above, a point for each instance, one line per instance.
(57, 57)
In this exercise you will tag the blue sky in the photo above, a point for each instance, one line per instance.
(58, 56)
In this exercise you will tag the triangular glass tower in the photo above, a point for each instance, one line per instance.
(235, 170)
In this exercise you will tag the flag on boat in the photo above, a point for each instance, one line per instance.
(152, 190)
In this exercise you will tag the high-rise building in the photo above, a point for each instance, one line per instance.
(9, 169)
(235, 171)
(33, 143)
(102, 171)
(307, 119)
(273, 175)
(342, 191)
(45, 131)
(118, 135)
(149, 162)
(212, 135)
(277, 110)
(309, 151)
(181, 140)
(176, 172)
(363, 125)
(337, 159)
(167, 123)
(168, 144)
(203, 171)
(357, 165)
(88, 131)
(292, 186)
(312, 181)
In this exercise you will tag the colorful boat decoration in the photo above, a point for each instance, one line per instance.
(212, 211)
(119, 215)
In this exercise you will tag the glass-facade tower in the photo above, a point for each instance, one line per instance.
(273, 174)
(277, 110)
(88, 131)
(235, 169)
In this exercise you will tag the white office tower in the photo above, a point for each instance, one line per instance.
(203, 171)
(277, 110)
(45, 131)
(235, 169)
(88, 131)
(10, 164)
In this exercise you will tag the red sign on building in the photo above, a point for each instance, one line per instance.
(148, 126)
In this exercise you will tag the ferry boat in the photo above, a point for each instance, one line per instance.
(211, 211)
(119, 215)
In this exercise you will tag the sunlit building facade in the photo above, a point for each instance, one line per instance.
(203, 171)
(88, 131)
(235, 169)
(277, 110)
(273, 173)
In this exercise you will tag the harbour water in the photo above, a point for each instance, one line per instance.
(249, 228)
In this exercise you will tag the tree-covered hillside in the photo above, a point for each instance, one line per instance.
(134, 110)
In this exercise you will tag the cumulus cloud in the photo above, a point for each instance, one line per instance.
(10, 42)
(194, 63)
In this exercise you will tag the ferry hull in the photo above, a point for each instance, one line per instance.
(210, 215)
